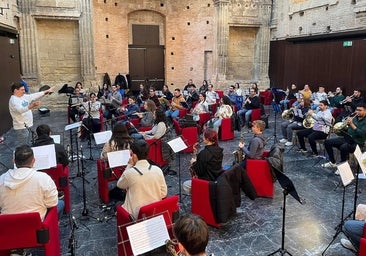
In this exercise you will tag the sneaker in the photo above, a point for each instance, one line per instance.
(348, 245)
(283, 140)
(303, 151)
(336, 172)
(20, 252)
(329, 165)
(288, 143)
(61, 195)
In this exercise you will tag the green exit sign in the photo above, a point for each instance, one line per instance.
(347, 43)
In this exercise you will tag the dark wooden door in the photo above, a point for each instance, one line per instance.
(9, 73)
(146, 57)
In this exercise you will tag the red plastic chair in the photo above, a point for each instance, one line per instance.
(226, 131)
(106, 175)
(155, 152)
(183, 112)
(204, 118)
(168, 207)
(27, 230)
(260, 174)
(189, 135)
(362, 251)
(256, 114)
(60, 175)
(266, 97)
(201, 204)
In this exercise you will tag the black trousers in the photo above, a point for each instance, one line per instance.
(341, 144)
(312, 137)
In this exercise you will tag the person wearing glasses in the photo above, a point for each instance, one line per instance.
(251, 102)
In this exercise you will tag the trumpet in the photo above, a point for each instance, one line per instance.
(343, 125)
(345, 100)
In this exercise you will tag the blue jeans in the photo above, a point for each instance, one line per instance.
(353, 229)
(60, 208)
(246, 113)
(22, 137)
(172, 113)
(137, 136)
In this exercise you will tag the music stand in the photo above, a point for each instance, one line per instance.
(177, 146)
(288, 188)
(359, 156)
(73, 157)
(347, 177)
(276, 108)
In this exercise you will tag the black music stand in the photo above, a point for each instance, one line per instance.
(73, 156)
(276, 108)
(177, 146)
(345, 183)
(288, 188)
(361, 166)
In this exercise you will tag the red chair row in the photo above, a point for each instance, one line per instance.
(27, 230)
(60, 175)
(168, 207)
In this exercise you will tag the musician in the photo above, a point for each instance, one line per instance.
(145, 183)
(207, 164)
(147, 117)
(131, 109)
(255, 148)
(251, 102)
(306, 92)
(75, 102)
(188, 85)
(355, 135)
(350, 103)
(211, 95)
(336, 98)
(192, 96)
(224, 111)
(115, 98)
(104, 91)
(91, 118)
(157, 131)
(143, 95)
(232, 94)
(290, 96)
(353, 229)
(201, 107)
(323, 122)
(287, 127)
(192, 234)
(167, 93)
(178, 102)
(119, 140)
(318, 96)
(154, 97)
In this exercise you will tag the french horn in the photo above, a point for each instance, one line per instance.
(343, 125)
(308, 122)
(288, 114)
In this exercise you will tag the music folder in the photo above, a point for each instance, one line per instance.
(346, 173)
(102, 137)
(45, 157)
(118, 158)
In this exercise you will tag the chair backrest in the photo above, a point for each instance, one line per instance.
(26, 230)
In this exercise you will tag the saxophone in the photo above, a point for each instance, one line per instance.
(194, 155)
(239, 153)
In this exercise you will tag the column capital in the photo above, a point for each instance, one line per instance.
(217, 2)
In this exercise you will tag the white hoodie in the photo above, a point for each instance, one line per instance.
(27, 190)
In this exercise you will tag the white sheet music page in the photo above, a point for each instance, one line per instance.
(102, 137)
(177, 144)
(147, 235)
(118, 158)
(360, 159)
(56, 138)
(346, 173)
(73, 125)
(45, 157)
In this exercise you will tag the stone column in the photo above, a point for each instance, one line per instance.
(221, 38)
(87, 41)
(28, 47)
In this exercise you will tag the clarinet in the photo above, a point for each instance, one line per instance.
(239, 153)
(194, 155)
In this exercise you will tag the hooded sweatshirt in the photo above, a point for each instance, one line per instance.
(256, 147)
(26, 190)
(208, 165)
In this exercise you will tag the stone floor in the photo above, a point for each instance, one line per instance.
(256, 228)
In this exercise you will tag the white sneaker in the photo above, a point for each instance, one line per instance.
(336, 172)
(283, 140)
(348, 245)
(329, 165)
(288, 143)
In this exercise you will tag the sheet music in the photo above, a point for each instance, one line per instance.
(177, 144)
(346, 173)
(102, 137)
(72, 126)
(147, 235)
(118, 158)
(45, 157)
(361, 159)
(56, 138)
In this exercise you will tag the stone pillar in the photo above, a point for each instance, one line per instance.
(221, 38)
(87, 41)
(27, 35)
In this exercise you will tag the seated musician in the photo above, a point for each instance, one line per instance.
(145, 183)
(207, 164)
(75, 103)
(43, 138)
(192, 96)
(349, 104)
(178, 102)
(255, 148)
(115, 100)
(251, 102)
(288, 126)
(154, 97)
(91, 118)
(335, 99)
(224, 111)
(129, 111)
(323, 121)
(192, 234)
(354, 135)
(157, 131)
(201, 107)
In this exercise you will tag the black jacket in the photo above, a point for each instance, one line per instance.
(208, 165)
(275, 159)
(61, 156)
